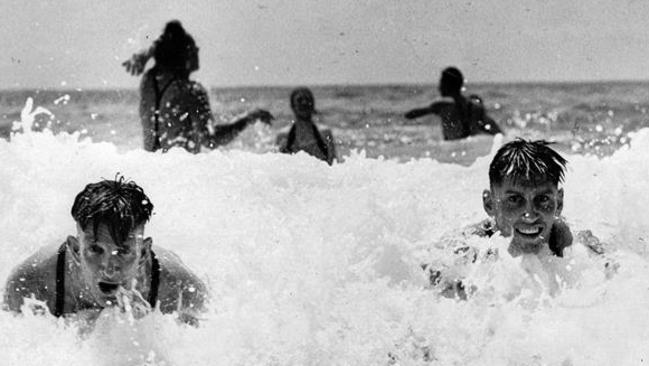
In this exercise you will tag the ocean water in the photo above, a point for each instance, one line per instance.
(590, 118)
(315, 265)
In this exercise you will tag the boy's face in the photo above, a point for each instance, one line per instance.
(302, 105)
(106, 265)
(524, 211)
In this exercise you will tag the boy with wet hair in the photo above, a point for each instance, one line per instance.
(524, 200)
(524, 203)
(109, 263)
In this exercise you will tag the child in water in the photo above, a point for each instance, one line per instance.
(462, 117)
(524, 202)
(175, 110)
(304, 135)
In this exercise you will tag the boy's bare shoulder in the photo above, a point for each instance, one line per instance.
(180, 288)
(35, 276)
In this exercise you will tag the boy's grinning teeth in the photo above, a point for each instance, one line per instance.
(529, 231)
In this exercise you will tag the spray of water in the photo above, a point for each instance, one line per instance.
(318, 265)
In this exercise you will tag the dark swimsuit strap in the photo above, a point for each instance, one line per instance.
(60, 281)
(318, 137)
(155, 280)
(159, 93)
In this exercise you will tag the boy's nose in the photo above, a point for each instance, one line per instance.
(530, 214)
(110, 268)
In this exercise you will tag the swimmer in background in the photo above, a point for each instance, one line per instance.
(175, 110)
(524, 203)
(304, 135)
(462, 117)
(108, 263)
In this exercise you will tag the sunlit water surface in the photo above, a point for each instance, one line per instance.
(318, 265)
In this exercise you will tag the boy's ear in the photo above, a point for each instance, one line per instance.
(146, 249)
(488, 203)
(74, 248)
(559, 201)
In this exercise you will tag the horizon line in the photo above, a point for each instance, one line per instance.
(341, 85)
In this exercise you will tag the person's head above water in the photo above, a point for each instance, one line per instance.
(302, 103)
(176, 50)
(524, 196)
(119, 204)
(451, 82)
(110, 247)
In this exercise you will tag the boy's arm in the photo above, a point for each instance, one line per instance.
(181, 291)
(191, 302)
(490, 126)
(223, 134)
(23, 282)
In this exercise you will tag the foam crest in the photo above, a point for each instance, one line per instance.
(311, 264)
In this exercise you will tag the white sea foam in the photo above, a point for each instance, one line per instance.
(311, 264)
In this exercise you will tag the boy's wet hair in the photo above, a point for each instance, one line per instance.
(528, 163)
(174, 47)
(119, 204)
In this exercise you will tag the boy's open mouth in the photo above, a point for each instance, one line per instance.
(530, 231)
(107, 287)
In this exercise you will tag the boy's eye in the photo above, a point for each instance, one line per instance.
(124, 251)
(543, 200)
(96, 249)
(514, 199)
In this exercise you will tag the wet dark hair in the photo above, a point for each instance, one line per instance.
(174, 47)
(119, 204)
(527, 162)
(303, 91)
(452, 78)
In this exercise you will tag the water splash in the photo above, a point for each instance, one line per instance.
(312, 264)
(28, 115)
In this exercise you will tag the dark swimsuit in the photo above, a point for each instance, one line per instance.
(60, 281)
(159, 93)
(290, 141)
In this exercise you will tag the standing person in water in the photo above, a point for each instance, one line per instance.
(304, 135)
(108, 263)
(175, 110)
(462, 117)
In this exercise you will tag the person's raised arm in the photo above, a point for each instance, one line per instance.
(490, 126)
(419, 112)
(135, 65)
(223, 134)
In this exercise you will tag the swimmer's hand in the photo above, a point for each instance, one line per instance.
(132, 303)
(419, 112)
(135, 65)
(260, 115)
(410, 115)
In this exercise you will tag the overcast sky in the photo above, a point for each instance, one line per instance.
(81, 43)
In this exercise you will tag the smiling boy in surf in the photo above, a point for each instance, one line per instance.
(524, 202)
(109, 263)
